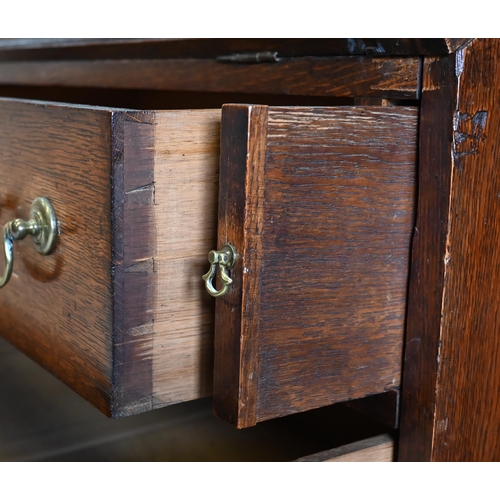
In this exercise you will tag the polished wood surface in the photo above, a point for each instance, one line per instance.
(333, 77)
(319, 204)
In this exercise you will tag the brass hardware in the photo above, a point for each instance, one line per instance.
(250, 57)
(42, 225)
(226, 259)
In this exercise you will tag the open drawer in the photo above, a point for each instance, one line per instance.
(318, 203)
(118, 311)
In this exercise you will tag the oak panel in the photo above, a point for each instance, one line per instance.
(58, 308)
(186, 190)
(467, 416)
(118, 312)
(331, 77)
(319, 203)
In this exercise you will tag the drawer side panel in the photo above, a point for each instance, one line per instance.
(57, 309)
(165, 189)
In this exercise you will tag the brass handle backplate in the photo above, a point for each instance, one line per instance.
(225, 258)
(42, 225)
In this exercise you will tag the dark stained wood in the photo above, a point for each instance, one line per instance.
(450, 406)
(338, 198)
(102, 48)
(427, 263)
(330, 77)
(240, 223)
(134, 249)
(467, 419)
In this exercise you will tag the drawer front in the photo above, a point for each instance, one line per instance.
(319, 205)
(113, 312)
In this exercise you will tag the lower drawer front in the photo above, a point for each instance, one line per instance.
(117, 311)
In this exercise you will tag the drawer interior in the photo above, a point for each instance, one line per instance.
(161, 99)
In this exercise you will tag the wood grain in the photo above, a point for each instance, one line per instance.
(425, 294)
(58, 308)
(134, 246)
(338, 192)
(467, 415)
(450, 407)
(240, 223)
(375, 449)
(187, 145)
(165, 168)
(333, 77)
(119, 312)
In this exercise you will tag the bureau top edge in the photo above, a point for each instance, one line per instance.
(25, 49)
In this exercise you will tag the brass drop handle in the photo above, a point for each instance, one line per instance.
(225, 258)
(42, 225)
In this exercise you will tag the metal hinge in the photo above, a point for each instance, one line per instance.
(250, 57)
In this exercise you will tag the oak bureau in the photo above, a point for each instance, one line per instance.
(338, 196)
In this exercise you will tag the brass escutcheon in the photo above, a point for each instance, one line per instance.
(42, 225)
(225, 258)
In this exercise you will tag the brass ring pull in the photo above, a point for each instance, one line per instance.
(42, 225)
(226, 259)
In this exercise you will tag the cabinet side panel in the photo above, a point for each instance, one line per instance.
(339, 208)
(467, 417)
(57, 309)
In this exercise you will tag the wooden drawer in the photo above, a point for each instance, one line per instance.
(318, 203)
(118, 312)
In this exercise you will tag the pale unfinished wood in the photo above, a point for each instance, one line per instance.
(186, 191)
(374, 449)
